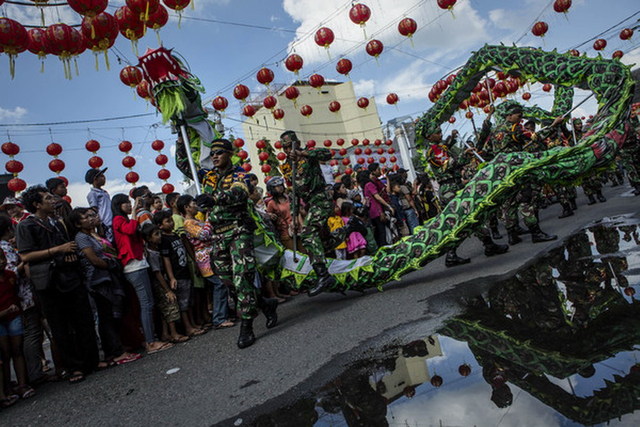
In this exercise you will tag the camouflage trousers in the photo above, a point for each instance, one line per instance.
(315, 233)
(565, 194)
(523, 203)
(592, 185)
(629, 163)
(233, 260)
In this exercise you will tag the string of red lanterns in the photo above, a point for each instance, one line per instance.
(128, 162)
(14, 167)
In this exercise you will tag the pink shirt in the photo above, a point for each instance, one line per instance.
(375, 208)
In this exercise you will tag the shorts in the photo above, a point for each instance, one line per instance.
(170, 310)
(183, 293)
(11, 328)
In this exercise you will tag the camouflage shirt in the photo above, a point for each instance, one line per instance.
(512, 138)
(309, 178)
(230, 191)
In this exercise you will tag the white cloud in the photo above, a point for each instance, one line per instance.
(364, 88)
(446, 33)
(632, 58)
(16, 114)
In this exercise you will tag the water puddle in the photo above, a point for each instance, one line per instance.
(557, 344)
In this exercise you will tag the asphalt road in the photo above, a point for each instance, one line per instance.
(215, 381)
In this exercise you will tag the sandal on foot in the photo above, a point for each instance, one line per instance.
(8, 401)
(225, 324)
(178, 340)
(25, 392)
(161, 347)
(76, 377)
(131, 357)
(197, 332)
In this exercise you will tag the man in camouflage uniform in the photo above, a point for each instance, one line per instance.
(510, 137)
(630, 154)
(310, 187)
(226, 195)
(447, 163)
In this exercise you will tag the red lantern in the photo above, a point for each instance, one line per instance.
(128, 162)
(334, 106)
(220, 103)
(574, 52)
(324, 37)
(281, 156)
(561, 6)
(327, 143)
(263, 156)
(464, 370)
(64, 41)
(95, 162)
(393, 159)
(243, 154)
(270, 102)
(158, 18)
(547, 87)
(361, 160)
(265, 76)
(38, 43)
(487, 109)
(176, 5)
(388, 142)
(446, 4)
(144, 90)
(377, 142)
(617, 54)
(316, 81)
(246, 167)
(626, 34)
(392, 99)
(129, 24)
(238, 142)
(599, 44)
(469, 115)
(340, 142)
(16, 185)
(248, 111)
(368, 151)
(278, 114)
(382, 159)
(380, 151)
(346, 161)
(261, 144)
(363, 103)
(292, 93)
(54, 149)
(452, 119)
(14, 167)
(266, 168)
(348, 171)
(370, 160)
(357, 151)
(132, 177)
(344, 66)
(164, 174)
(365, 141)
(56, 165)
(526, 96)
(407, 27)
(14, 39)
(241, 92)
(355, 142)
(278, 145)
(143, 8)
(161, 159)
(294, 63)
(168, 188)
(125, 146)
(359, 14)
(100, 33)
(306, 110)
(342, 152)
(540, 28)
(311, 143)
(436, 381)
(88, 7)
(131, 76)
(374, 48)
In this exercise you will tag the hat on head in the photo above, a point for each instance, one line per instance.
(52, 183)
(10, 201)
(513, 108)
(221, 144)
(92, 174)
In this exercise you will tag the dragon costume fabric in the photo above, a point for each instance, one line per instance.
(609, 80)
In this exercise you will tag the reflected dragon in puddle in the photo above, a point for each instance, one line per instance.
(609, 80)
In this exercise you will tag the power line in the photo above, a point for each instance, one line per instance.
(107, 119)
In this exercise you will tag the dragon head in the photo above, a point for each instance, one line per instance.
(160, 66)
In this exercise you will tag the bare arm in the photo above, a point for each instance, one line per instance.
(35, 256)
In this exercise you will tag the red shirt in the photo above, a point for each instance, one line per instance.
(9, 294)
(128, 241)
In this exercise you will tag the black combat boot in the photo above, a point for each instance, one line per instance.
(495, 233)
(538, 235)
(573, 204)
(600, 197)
(491, 248)
(269, 308)
(566, 210)
(592, 200)
(514, 237)
(519, 230)
(246, 337)
(452, 259)
(325, 280)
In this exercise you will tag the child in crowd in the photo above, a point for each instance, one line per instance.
(100, 200)
(166, 300)
(178, 220)
(362, 214)
(355, 195)
(396, 196)
(174, 257)
(356, 243)
(12, 332)
(334, 222)
(156, 204)
(142, 206)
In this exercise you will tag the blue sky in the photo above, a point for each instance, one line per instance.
(225, 42)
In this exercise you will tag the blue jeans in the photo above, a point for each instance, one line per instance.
(140, 281)
(220, 296)
(412, 219)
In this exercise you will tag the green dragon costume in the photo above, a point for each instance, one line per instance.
(609, 80)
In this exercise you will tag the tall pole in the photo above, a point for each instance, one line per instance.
(294, 204)
(187, 149)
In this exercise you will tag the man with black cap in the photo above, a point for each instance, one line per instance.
(310, 187)
(226, 194)
(446, 165)
(510, 137)
(99, 199)
(58, 187)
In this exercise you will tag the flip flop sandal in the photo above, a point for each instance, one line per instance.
(76, 378)
(179, 340)
(9, 401)
(130, 358)
(225, 324)
(198, 332)
(163, 347)
(25, 392)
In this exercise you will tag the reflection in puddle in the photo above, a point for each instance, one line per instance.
(556, 344)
